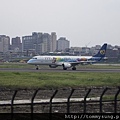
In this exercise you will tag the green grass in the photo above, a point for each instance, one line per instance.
(57, 79)
(15, 65)
(110, 97)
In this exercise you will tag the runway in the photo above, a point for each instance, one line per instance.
(57, 70)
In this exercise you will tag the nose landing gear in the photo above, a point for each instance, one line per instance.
(37, 67)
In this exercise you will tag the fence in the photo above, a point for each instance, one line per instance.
(81, 100)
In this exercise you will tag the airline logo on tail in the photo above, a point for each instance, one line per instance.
(102, 52)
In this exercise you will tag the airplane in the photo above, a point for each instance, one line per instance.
(68, 61)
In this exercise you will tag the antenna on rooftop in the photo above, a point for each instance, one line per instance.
(87, 44)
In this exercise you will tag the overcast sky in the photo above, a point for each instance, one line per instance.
(82, 22)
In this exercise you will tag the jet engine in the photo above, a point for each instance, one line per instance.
(105, 58)
(53, 66)
(67, 65)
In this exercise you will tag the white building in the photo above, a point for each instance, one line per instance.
(62, 44)
(53, 42)
(4, 43)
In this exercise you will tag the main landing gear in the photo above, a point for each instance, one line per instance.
(74, 68)
(64, 68)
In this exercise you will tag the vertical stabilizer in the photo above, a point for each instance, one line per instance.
(102, 51)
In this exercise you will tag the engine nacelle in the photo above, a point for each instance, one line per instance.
(67, 65)
(105, 58)
(85, 63)
(53, 66)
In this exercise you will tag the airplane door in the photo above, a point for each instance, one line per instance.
(54, 60)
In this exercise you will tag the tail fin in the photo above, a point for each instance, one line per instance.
(102, 51)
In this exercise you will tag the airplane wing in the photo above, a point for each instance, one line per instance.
(81, 62)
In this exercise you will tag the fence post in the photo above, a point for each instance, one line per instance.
(101, 98)
(32, 102)
(115, 100)
(85, 99)
(50, 111)
(68, 101)
(12, 103)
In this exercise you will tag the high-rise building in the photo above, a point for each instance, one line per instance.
(16, 44)
(62, 44)
(16, 41)
(27, 43)
(53, 42)
(46, 42)
(39, 42)
(4, 43)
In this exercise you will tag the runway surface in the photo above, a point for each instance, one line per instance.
(58, 70)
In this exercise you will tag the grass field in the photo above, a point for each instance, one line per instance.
(57, 79)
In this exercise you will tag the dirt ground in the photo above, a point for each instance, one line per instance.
(91, 107)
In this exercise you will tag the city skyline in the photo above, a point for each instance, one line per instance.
(44, 44)
(80, 21)
(57, 39)
(36, 42)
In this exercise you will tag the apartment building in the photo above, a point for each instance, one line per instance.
(16, 44)
(62, 44)
(27, 43)
(4, 43)
(53, 42)
(39, 42)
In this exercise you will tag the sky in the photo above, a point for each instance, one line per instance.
(82, 22)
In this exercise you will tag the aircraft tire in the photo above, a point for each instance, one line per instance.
(64, 68)
(74, 68)
(37, 68)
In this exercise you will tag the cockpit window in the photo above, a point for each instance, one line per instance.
(34, 58)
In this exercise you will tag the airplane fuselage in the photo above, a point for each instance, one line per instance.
(67, 61)
(59, 60)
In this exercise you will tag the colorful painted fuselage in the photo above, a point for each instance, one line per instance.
(68, 61)
(59, 60)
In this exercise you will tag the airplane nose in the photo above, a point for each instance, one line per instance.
(28, 62)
